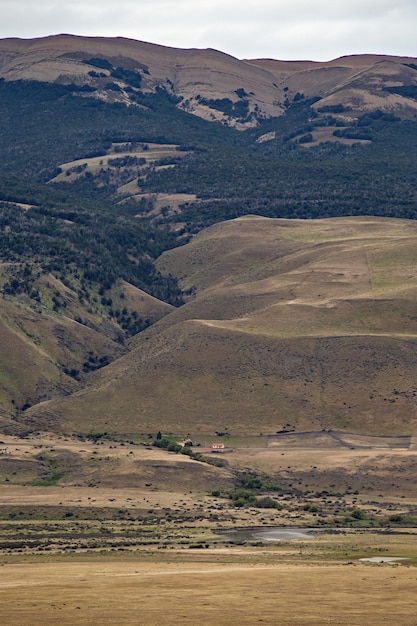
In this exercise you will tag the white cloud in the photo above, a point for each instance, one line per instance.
(295, 29)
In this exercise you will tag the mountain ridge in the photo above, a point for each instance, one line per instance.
(200, 76)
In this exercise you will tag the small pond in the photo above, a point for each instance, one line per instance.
(395, 560)
(268, 534)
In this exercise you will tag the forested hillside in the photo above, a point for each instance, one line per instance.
(227, 171)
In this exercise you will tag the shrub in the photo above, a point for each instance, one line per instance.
(241, 497)
(253, 482)
(267, 503)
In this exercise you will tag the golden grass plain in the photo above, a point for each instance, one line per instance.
(122, 551)
(185, 590)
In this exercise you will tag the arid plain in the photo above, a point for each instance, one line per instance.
(129, 533)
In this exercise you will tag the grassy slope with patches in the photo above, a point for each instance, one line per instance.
(302, 323)
(44, 354)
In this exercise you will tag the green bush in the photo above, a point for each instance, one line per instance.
(253, 482)
(267, 503)
(242, 497)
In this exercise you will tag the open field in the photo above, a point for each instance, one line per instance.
(335, 468)
(124, 165)
(129, 534)
(284, 584)
(149, 153)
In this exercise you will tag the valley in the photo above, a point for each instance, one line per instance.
(208, 295)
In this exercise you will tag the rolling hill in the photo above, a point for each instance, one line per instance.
(294, 325)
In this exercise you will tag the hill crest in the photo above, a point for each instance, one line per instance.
(210, 83)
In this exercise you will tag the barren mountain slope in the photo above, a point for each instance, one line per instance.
(357, 82)
(187, 73)
(295, 324)
(203, 79)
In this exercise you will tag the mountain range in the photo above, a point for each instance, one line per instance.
(161, 269)
(201, 78)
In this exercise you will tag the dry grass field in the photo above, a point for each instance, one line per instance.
(196, 592)
(129, 534)
(149, 152)
(124, 165)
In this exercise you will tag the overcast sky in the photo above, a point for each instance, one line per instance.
(281, 29)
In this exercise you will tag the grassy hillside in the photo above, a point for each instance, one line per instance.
(57, 328)
(294, 325)
(45, 353)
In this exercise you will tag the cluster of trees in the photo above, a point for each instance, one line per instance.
(92, 243)
(169, 443)
(130, 77)
(239, 109)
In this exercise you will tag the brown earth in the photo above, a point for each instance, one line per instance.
(205, 593)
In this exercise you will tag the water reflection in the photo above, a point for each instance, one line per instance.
(268, 534)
